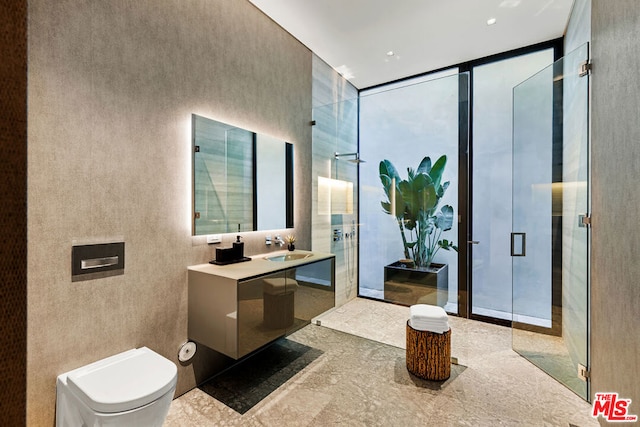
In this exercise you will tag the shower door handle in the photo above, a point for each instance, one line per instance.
(523, 244)
(473, 242)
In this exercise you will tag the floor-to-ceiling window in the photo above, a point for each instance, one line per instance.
(401, 125)
(405, 121)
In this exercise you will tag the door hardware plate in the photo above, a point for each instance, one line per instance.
(584, 220)
(585, 68)
(583, 373)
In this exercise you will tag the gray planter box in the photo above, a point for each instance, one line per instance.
(416, 285)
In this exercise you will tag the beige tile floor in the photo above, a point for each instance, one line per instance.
(361, 380)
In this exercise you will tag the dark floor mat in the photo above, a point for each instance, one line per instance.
(245, 384)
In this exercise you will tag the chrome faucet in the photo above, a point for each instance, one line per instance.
(279, 240)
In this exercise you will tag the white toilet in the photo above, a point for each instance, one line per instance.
(134, 388)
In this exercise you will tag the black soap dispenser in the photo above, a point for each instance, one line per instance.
(238, 248)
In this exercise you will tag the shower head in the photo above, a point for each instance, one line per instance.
(355, 160)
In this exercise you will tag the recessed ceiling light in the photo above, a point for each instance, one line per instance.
(491, 21)
(390, 53)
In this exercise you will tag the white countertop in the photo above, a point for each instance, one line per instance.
(259, 265)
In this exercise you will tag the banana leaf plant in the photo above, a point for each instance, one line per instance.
(414, 203)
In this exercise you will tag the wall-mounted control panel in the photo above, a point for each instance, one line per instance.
(97, 261)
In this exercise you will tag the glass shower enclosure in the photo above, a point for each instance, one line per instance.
(550, 236)
(334, 195)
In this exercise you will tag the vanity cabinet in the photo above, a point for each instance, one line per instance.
(236, 309)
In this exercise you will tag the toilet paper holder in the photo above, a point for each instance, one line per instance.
(187, 351)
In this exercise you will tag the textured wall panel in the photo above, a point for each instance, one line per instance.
(13, 214)
(112, 86)
(615, 148)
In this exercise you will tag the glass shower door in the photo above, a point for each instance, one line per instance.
(549, 242)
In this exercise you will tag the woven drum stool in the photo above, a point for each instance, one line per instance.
(428, 354)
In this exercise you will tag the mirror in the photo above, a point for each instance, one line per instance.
(242, 181)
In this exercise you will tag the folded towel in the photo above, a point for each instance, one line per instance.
(438, 329)
(425, 311)
(418, 322)
(430, 318)
(429, 322)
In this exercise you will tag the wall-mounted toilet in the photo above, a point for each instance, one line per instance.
(133, 388)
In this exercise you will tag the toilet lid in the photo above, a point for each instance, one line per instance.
(125, 381)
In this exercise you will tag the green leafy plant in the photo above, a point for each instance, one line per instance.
(414, 203)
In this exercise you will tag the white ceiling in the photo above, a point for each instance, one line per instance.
(354, 36)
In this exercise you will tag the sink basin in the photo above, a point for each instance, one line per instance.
(287, 257)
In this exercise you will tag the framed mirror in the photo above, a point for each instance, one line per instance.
(242, 181)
